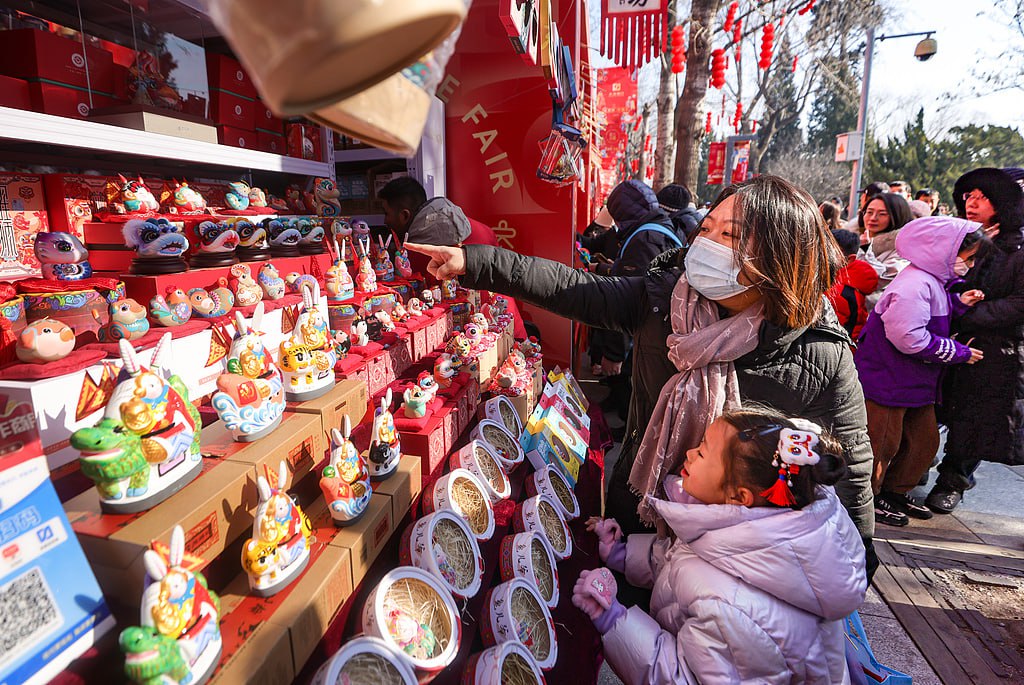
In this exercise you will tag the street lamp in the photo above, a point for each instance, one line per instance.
(925, 50)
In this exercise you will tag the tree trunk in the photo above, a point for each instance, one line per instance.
(689, 124)
(665, 152)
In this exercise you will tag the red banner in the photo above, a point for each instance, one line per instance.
(741, 153)
(616, 103)
(716, 164)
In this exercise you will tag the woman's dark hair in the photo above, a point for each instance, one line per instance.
(896, 205)
(848, 241)
(832, 215)
(785, 247)
(976, 237)
(754, 447)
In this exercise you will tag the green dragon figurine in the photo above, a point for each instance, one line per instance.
(150, 656)
(112, 454)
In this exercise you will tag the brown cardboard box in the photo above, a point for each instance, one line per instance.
(366, 537)
(214, 510)
(347, 397)
(403, 487)
(255, 652)
(299, 440)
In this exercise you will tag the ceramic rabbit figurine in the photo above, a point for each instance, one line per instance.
(345, 481)
(366, 279)
(308, 357)
(279, 547)
(385, 448)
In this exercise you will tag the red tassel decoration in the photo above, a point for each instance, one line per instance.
(795, 58)
(779, 493)
(707, 126)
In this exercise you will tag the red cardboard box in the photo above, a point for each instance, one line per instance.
(304, 142)
(120, 87)
(226, 73)
(14, 93)
(23, 194)
(61, 101)
(34, 54)
(270, 142)
(70, 199)
(236, 137)
(229, 109)
(428, 444)
(265, 119)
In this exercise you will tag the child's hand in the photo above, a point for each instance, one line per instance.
(594, 592)
(972, 297)
(608, 533)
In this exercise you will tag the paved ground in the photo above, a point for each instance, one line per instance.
(992, 511)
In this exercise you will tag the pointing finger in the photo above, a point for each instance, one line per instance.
(428, 250)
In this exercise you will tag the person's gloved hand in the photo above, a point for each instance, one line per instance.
(594, 595)
(608, 533)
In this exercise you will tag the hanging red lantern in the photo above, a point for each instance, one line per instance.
(717, 67)
(707, 125)
(730, 16)
(767, 44)
(739, 114)
(678, 50)
(737, 31)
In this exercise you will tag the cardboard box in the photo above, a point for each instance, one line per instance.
(273, 143)
(231, 109)
(403, 487)
(366, 537)
(214, 510)
(254, 651)
(62, 101)
(226, 73)
(428, 444)
(299, 441)
(57, 611)
(71, 199)
(14, 93)
(237, 137)
(34, 54)
(23, 202)
(155, 120)
(304, 142)
(348, 397)
(266, 121)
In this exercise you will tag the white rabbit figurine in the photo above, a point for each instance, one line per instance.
(279, 547)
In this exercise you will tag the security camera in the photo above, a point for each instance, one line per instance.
(926, 49)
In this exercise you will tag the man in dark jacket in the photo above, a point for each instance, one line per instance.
(677, 201)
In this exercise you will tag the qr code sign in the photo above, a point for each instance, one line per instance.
(28, 613)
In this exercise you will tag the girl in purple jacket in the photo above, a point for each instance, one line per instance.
(761, 564)
(903, 349)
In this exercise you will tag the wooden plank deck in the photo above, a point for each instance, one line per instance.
(960, 643)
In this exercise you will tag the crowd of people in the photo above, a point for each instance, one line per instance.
(788, 374)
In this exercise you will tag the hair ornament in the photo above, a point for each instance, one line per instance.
(795, 449)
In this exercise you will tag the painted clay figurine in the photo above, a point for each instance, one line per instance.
(213, 303)
(237, 195)
(271, 282)
(386, 323)
(428, 299)
(45, 340)
(460, 349)
(345, 481)
(416, 399)
(146, 446)
(360, 332)
(366, 279)
(481, 322)
(202, 304)
(399, 313)
(296, 282)
(383, 268)
(247, 290)
(339, 282)
(293, 196)
(325, 197)
(217, 243)
(415, 306)
(179, 639)
(135, 197)
(449, 288)
(183, 200)
(473, 334)
(279, 547)
(385, 448)
(257, 198)
(308, 357)
(427, 383)
(173, 309)
(127, 320)
(250, 397)
(361, 232)
(62, 256)
(284, 238)
(252, 241)
(402, 265)
(154, 238)
(312, 237)
(277, 204)
(444, 371)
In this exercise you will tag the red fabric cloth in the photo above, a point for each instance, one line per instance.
(112, 349)
(76, 361)
(45, 285)
(862, 280)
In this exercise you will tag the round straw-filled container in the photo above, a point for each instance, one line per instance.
(413, 612)
(529, 555)
(514, 611)
(500, 410)
(463, 493)
(509, 663)
(549, 481)
(443, 545)
(366, 661)
(503, 444)
(477, 458)
(539, 513)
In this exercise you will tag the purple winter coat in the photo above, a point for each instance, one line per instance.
(741, 595)
(905, 344)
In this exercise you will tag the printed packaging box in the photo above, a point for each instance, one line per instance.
(22, 215)
(52, 606)
(33, 54)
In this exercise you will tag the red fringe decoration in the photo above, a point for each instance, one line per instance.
(779, 494)
(632, 39)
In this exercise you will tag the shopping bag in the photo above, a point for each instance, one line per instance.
(858, 653)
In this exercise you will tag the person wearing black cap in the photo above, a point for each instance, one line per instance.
(983, 404)
(678, 202)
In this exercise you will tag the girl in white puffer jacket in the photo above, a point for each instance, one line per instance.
(762, 564)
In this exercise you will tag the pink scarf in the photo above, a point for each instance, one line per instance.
(703, 347)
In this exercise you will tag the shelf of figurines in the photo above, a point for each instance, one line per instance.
(172, 498)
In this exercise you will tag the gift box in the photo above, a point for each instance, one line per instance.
(14, 93)
(266, 121)
(303, 142)
(427, 443)
(71, 199)
(34, 54)
(226, 73)
(236, 137)
(23, 202)
(231, 109)
(66, 101)
(273, 143)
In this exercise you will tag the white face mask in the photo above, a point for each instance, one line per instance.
(712, 269)
(960, 267)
